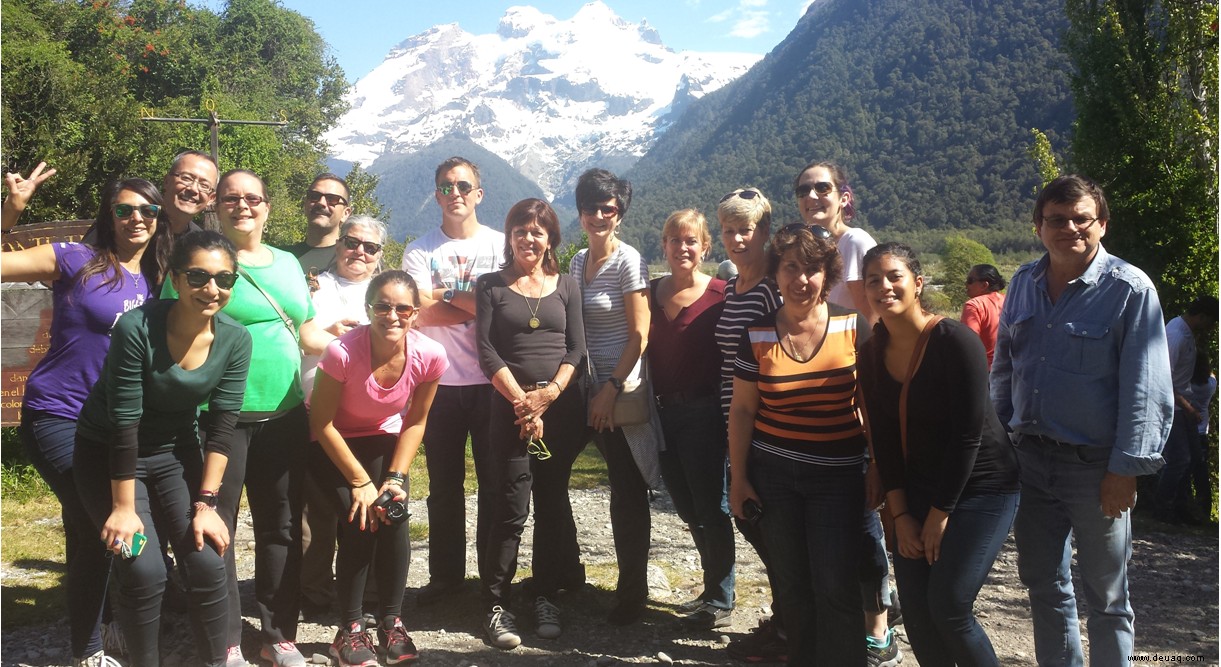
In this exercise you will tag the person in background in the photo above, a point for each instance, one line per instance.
(367, 413)
(531, 342)
(138, 452)
(91, 287)
(1203, 388)
(614, 281)
(686, 306)
(445, 263)
(982, 311)
(947, 466)
(1081, 377)
(327, 204)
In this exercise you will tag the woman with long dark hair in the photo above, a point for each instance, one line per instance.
(91, 287)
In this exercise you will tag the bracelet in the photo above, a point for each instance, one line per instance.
(900, 514)
(367, 482)
(395, 473)
(203, 507)
(393, 478)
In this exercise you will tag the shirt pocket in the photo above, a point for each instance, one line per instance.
(1089, 347)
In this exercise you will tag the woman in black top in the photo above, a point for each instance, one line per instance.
(531, 339)
(952, 485)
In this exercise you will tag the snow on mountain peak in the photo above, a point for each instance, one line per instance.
(552, 97)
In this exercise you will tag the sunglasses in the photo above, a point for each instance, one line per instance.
(199, 278)
(816, 230)
(744, 194)
(369, 247)
(400, 309)
(464, 188)
(313, 197)
(606, 211)
(821, 187)
(125, 211)
(538, 448)
(251, 200)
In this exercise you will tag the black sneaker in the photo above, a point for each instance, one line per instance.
(706, 617)
(763, 644)
(625, 613)
(353, 648)
(435, 591)
(878, 654)
(394, 641)
(894, 613)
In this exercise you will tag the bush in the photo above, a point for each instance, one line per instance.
(957, 257)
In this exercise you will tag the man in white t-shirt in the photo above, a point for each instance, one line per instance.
(445, 264)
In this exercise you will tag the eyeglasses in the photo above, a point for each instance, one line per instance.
(538, 448)
(193, 181)
(369, 247)
(1060, 222)
(200, 278)
(816, 230)
(313, 196)
(251, 200)
(125, 211)
(464, 188)
(400, 309)
(821, 187)
(744, 194)
(606, 211)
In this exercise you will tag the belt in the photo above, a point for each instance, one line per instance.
(677, 398)
(1048, 441)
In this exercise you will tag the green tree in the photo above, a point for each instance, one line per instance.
(957, 257)
(1146, 97)
(1044, 158)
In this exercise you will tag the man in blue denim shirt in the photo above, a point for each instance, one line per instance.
(1082, 378)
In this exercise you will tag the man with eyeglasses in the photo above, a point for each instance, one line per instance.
(326, 205)
(187, 191)
(1081, 376)
(445, 264)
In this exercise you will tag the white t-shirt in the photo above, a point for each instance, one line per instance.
(435, 261)
(852, 248)
(336, 299)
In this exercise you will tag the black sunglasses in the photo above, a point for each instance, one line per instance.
(744, 194)
(199, 278)
(401, 309)
(821, 187)
(332, 199)
(369, 247)
(463, 187)
(606, 211)
(816, 230)
(125, 211)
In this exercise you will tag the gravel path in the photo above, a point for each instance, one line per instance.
(1174, 590)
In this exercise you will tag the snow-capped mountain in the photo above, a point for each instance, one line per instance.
(552, 97)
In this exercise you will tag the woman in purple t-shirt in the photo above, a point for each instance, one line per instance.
(371, 397)
(91, 287)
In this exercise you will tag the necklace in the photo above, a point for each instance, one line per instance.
(534, 321)
(797, 353)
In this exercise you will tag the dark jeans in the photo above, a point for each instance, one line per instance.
(48, 442)
(455, 412)
(1173, 483)
(557, 558)
(630, 518)
(812, 525)
(269, 458)
(1201, 479)
(319, 527)
(693, 467)
(166, 484)
(939, 599)
(389, 544)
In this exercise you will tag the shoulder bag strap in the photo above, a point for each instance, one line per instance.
(292, 329)
(917, 357)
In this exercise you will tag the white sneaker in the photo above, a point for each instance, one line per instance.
(282, 654)
(502, 628)
(235, 657)
(99, 659)
(547, 618)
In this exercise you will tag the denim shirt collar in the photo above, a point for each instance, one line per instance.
(1092, 274)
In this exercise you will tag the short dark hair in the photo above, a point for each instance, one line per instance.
(396, 276)
(1068, 189)
(840, 176)
(347, 193)
(990, 275)
(525, 212)
(813, 253)
(191, 153)
(597, 185)
(205, 239)
(456, 161)
(1203, 305)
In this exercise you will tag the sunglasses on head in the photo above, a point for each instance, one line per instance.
(400, 309)
(314, 196)
(369, 247)
(252, 200)
(125, 211)
(817, 231)
(606, 211)
(463, 187)
(821, 187)
(744, 194)
(199, 278)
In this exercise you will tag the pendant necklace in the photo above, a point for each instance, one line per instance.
(534, 321)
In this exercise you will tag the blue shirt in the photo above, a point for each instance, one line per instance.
(1091, 369)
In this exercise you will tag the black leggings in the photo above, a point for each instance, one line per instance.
(165, 486)
(389, 544)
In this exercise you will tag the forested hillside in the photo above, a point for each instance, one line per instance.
(928, 103)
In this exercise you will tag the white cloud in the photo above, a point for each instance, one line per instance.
(805, 6)
(747, 19)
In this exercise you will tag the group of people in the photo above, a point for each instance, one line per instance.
(810, 400)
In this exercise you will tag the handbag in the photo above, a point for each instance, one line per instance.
(274, 304)
(888, 521)
(633, 403)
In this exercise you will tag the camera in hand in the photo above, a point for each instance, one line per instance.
(396, 510)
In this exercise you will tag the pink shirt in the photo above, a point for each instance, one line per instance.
(365, 407)
(983, 314)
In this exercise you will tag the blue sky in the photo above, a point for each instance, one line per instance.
(361, 32)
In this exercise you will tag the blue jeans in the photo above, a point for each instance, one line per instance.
(48, 442)
(693, 467)
(938, 599)
(1174, 482)
(1061, 498)
(812, 525)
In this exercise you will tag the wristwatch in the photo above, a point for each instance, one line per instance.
(617, 384)
(209, 499)
(448, 296)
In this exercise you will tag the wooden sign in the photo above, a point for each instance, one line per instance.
(25, 316)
